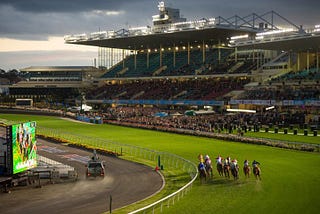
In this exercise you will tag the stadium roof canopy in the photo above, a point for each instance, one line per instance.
(212, 31)
(164, 40)
(58, 68)
(213, 36)
(299, 43)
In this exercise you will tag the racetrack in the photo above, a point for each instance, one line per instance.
(125, 181)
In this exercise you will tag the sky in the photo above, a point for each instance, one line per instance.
(31, 31)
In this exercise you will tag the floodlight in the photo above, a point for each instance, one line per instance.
(269, 108)
(241, 110)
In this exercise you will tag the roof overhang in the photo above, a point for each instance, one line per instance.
(58, 68)
(216, 35)
(300, 44)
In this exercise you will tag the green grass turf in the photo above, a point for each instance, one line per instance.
(286, 137)
(290, 179)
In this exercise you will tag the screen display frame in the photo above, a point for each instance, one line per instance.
(23, 147)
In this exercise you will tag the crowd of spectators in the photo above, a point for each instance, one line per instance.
(201, 89)
(216, 122)
(167, 89)
(283, 93)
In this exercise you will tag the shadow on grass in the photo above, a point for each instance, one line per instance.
(224, 181)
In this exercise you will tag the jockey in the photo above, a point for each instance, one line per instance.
(200, 157)
(207, 159)
(234, 163)
(246, 163)
(255, 164)
(201, 166)
(227, 161)
(219, 159)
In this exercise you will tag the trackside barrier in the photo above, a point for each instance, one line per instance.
(170, 161)
(168, 200)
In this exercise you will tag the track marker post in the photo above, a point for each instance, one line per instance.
(110, 204)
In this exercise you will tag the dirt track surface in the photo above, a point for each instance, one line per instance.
(127, 182)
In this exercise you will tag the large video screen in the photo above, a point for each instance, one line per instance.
(24, 147)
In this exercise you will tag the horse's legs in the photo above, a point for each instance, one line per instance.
(246, 172)
(256, 172)
(226, 172)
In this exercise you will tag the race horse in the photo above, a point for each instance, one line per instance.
(226, 170)
(246, 170)
(235, 171)
(257, 172)
(220, 168)
(202, 172)
(208, 167)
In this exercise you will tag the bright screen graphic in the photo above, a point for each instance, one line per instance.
(24, 147)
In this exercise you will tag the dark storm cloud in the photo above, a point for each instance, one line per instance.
(298, 11)
(36, 6)
(38, 19)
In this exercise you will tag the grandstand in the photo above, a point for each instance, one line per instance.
(178, 61)
(52, 83)
(212, 61)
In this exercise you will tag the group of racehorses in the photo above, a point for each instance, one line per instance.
(225, 167)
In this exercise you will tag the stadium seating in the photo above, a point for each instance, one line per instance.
(311, 74)
(179, 67)
(283, 93)
(163, 89)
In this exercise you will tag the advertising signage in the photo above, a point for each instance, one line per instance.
(23, 147)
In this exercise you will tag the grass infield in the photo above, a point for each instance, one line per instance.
(290, 179)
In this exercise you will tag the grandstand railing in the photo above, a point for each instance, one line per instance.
(130, 152)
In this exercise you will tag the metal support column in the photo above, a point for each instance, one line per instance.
(298, 62)
(219, 52)
(289, 61)
(147, 58)
(122, 58)
(308, 60)
(135, 59)
(188, 53)
(112, 58)
(258, 58)
(317, 61)
(104, 57)
(174, 55)
(236, 54)
(160, 55)
(253, 53)
(203, 52)
(99, 56)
